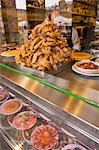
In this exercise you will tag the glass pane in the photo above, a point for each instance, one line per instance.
(4, 145)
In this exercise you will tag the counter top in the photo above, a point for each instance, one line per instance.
(80, 85)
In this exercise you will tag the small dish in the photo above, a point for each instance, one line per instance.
(84, 73)
(24, 120)
(11, 106)
(87, 66)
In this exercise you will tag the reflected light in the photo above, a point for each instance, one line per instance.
(17, 147)
(75, 108)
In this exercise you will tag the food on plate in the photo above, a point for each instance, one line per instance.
(10, 53)
(80, 55)
(88, 65)
(44, 137)
(11, 106)
(24, 120)
(45, 48)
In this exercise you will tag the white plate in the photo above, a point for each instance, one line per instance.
(83, 73)
(10, 113)
(91, 71)
(73, 146)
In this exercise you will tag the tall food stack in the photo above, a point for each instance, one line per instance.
(45, 48)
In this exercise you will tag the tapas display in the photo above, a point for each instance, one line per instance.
(11, 106)
(24, 120)
(74, 68)
(44, 137)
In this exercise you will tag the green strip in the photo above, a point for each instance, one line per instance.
(50, 85)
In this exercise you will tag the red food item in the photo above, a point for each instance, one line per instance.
(44, 137)
(88, 65)
(24, 120)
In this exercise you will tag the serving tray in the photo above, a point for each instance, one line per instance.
(43, 74)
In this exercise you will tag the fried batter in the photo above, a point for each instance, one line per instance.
(45, 48)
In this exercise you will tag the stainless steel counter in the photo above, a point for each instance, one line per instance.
(83, 115)
(84, 86)
(87, 87)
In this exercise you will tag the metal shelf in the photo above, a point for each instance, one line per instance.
(74, 13)
(83, 15)
(34, 7)
(86, 3)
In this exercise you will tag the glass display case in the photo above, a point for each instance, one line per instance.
(51, 109)
(23, 99)
(20, 138)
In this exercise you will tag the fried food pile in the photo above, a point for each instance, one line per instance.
(45, 48)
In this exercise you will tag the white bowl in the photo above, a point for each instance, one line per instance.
(96, 71)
